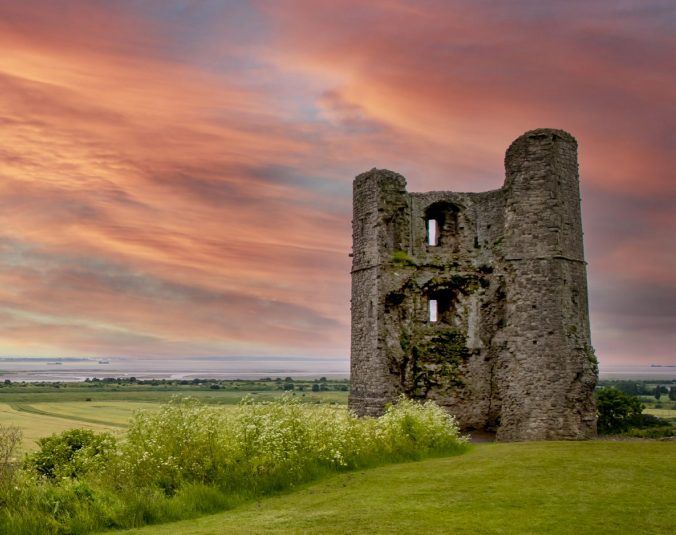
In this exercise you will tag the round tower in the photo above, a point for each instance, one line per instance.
(547, 362)
(379, 200)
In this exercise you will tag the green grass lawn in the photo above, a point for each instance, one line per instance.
(596, 487)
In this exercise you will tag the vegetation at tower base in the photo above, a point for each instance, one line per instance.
(477, 300)
(189, 459)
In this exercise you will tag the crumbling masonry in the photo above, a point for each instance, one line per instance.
(477, 300)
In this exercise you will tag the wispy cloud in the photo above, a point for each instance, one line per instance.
(175, 177)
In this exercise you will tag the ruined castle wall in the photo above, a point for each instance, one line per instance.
(379, 196)
(544, 363)
(510, 350)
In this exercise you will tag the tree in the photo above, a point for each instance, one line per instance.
(615, 410)
(672, 393)
(658, 392)
(315, 387)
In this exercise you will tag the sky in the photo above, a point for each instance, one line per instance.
(175, 176)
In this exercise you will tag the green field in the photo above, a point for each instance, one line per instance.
(42, 411)
(157, 395)
(596, 487)
(35, 424)
(667, 414)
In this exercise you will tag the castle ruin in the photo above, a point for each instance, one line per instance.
(477, 301)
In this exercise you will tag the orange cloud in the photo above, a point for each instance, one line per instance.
(175, 180)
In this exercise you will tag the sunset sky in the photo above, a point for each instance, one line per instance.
(175, 177)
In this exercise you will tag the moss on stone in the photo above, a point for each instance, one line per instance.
(432, 359)
(465, 283)
(402, 259)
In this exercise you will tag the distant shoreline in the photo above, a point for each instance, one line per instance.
(77, 370)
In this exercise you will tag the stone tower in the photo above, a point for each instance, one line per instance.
(477, 300)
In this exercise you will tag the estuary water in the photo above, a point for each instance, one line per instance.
(52, 370)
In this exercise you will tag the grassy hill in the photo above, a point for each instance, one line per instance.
(597, 487)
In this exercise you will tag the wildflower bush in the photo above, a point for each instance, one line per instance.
(189, 459)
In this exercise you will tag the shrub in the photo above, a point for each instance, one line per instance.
(615, 409)
(663, 431)
(263, 446)
(412, 428)
(642, 421)
(10, 439)
(180, 442)
(189, 458)
(70, 454)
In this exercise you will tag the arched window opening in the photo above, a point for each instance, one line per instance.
(442, 223)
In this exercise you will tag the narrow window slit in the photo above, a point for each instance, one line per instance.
(431, 232)
(433, 310)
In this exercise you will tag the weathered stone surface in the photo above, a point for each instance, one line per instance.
(510, 351)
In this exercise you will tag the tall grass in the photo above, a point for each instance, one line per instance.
(190, 459)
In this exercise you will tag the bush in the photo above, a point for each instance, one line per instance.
(664, 431)
(188, 459)
(180, 442)
(70, 454)
(615, 410)
(412, 428)
(10, 439)
(643, 421)
(263, 446)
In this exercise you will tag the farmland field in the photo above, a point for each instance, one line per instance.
(35, 426)
(43, 410)
(668, 414)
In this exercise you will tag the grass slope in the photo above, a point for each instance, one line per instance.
(523, 488)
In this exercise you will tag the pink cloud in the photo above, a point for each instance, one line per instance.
(214, 166)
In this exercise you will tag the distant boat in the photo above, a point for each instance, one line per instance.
(104, 362)
(53, 363)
